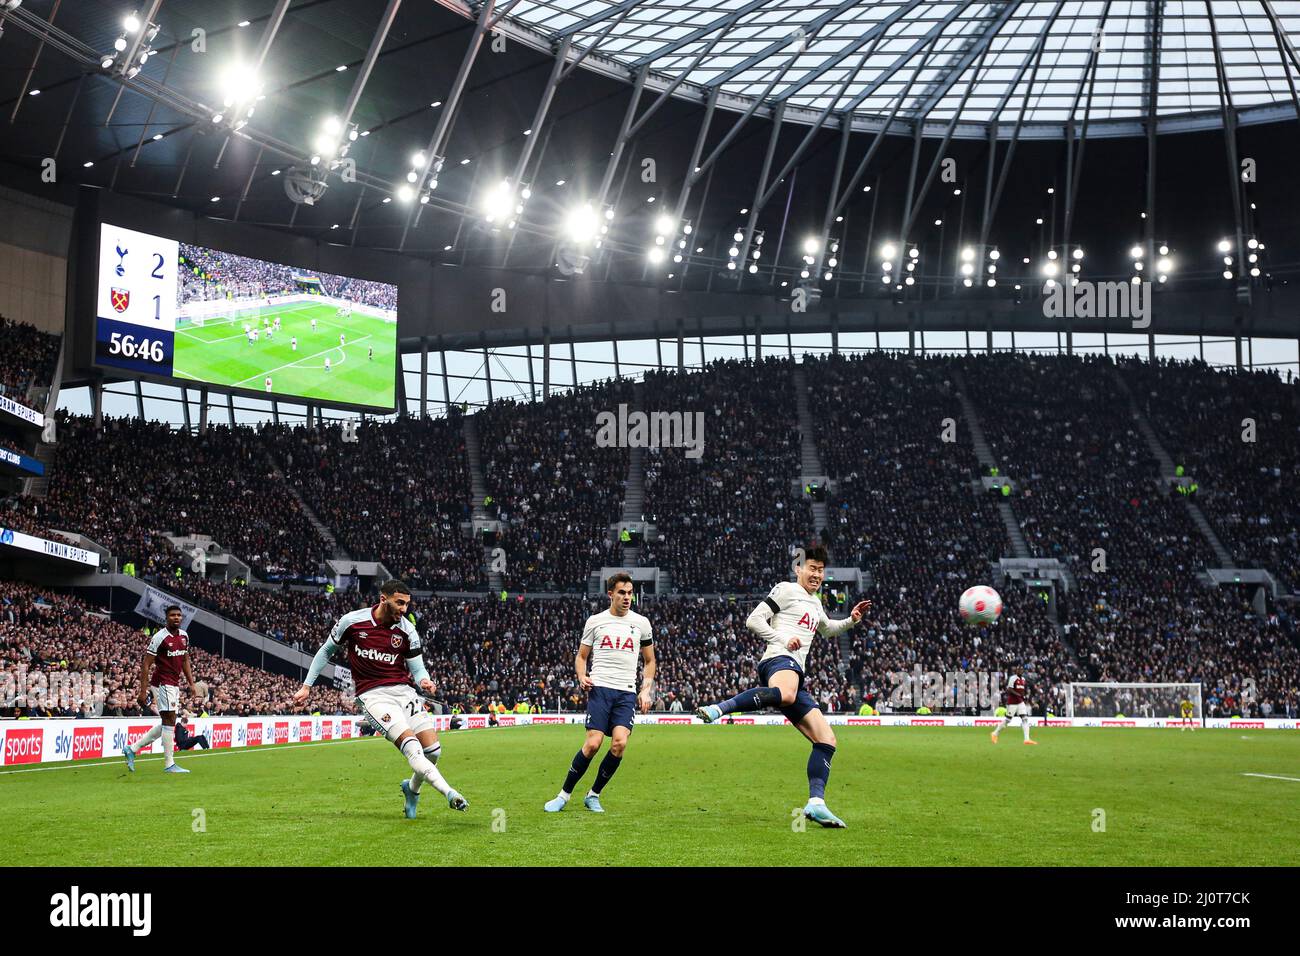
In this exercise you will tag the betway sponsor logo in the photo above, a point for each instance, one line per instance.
(253, 735)
(547, 720)
(221, 735)
(926, 722)
(863, 721)
(281, 732)
(87, 743)
(374, 654)
(23, 746)
(76, 909)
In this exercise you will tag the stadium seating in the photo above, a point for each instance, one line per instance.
(28, 357)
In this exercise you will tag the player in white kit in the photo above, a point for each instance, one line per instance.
(612, 642)
(788, 619)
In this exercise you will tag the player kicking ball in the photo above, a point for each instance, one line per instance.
(383, 653)
(612, 641)
(168, 657)
(1017, 706)
(788, 619)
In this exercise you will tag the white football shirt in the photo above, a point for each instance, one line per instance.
(615, 644)
(789, 612)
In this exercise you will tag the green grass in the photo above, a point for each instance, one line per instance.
(219, 352)
(685, 795)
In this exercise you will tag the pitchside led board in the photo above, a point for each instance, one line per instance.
(192, 314)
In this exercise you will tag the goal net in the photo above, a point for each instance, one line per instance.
(1132, 700)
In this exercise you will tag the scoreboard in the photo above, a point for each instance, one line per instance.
(136, 301)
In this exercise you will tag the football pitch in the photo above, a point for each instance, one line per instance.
(219, 352)
(684, 796)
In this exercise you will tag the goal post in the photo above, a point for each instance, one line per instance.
(1112, 699)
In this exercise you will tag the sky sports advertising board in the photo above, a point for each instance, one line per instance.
(193, 314)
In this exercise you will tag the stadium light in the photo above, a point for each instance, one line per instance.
(498, 200)
(1224, 245)
(580, 223)
(664, 225)
(657, 255)
(405, 193)
(811, 245)
(131, 23)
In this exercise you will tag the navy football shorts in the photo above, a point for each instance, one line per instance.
(803, 701)
(608, 708)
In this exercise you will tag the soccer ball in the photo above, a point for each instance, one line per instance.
(980, 605)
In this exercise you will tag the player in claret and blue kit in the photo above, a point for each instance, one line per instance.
(383, 653)
(612, 641)
(788, 619)
(168, 657)
(1017, 705)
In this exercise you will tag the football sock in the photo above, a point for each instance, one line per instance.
(150, 736)
(169, 745)
(1024, 724)
(607, 768)
(431, 754)
(756, 698)
(819, 770)
(414, 755)
(580, 763)
(998, 729)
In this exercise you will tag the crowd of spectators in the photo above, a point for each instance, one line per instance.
(556, 491)
(727, 521)
(28, 357)
(49, 633)
(124, 484)
(207, 274)
(398, 494)
(1236, 434)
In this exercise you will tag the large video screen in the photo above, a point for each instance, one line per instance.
(187, 312)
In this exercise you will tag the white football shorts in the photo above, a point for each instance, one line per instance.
(167, 697)
(1018, 710)
(396, 708)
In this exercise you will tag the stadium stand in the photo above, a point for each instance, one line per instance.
(28, 357)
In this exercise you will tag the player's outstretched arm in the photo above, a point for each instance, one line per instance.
(580, 665)
(420, 674)
(759, 621)
(649, 668)
(146, 664)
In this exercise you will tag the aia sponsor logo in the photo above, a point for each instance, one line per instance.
(282, 732)
(221, 735)
(304, 730)
(807, 622)
(23, 746)
(616, 643)
(253, 735)
(326, 730)
(539, 719)
(87, 743)
(863, 721)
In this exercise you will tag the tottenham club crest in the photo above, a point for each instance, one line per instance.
(120, 298)
(121, 257)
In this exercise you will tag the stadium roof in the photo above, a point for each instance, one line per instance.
(862, 58)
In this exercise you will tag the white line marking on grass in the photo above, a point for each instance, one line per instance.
(119, 761)
(1271, 776)
(305, 358)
